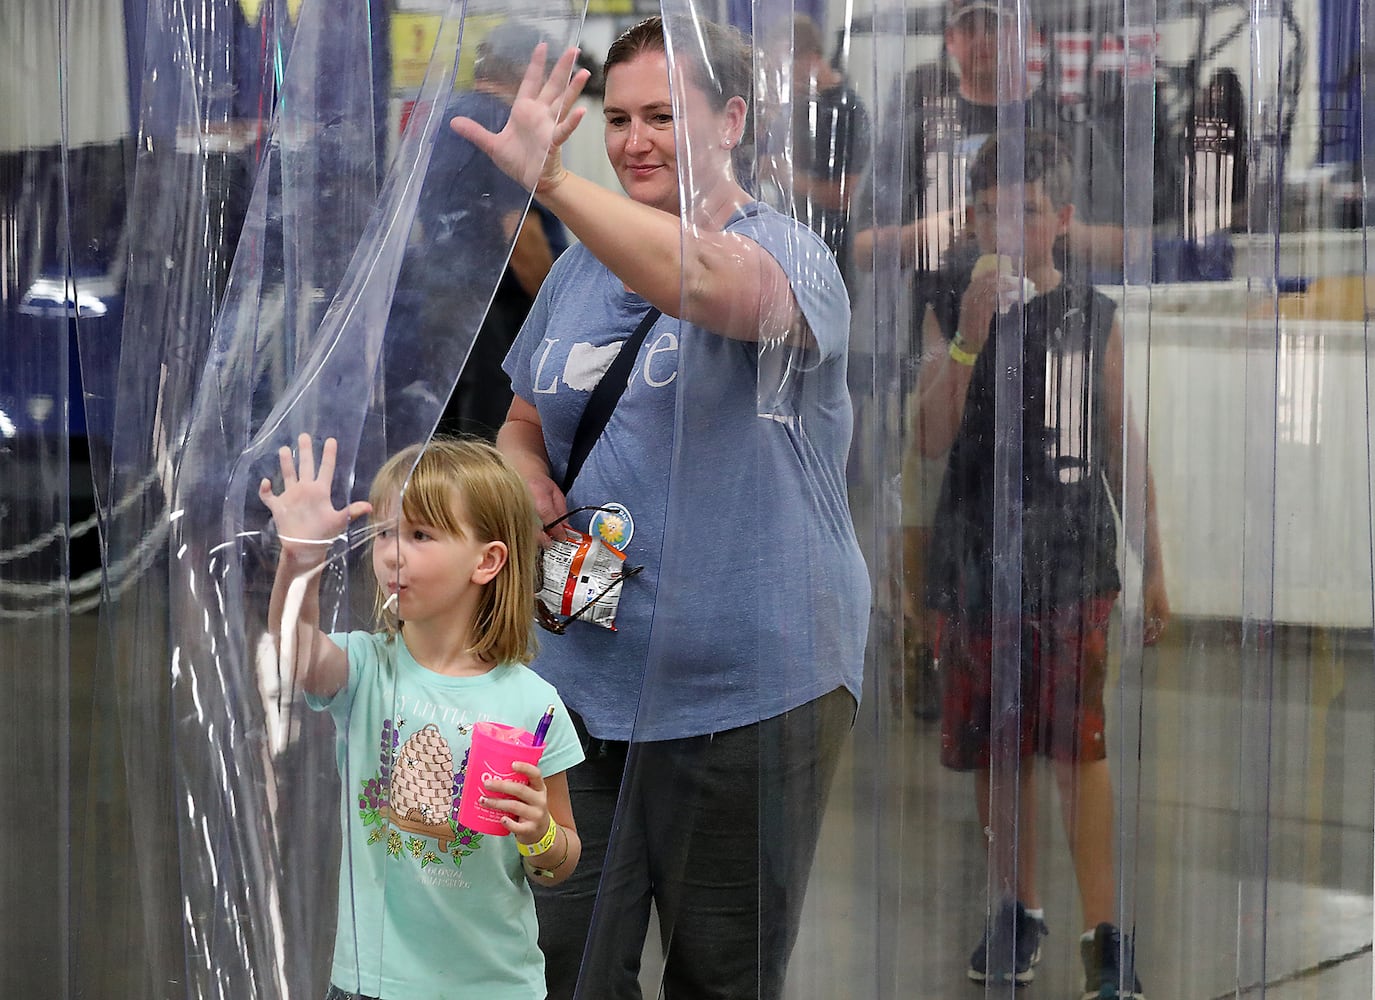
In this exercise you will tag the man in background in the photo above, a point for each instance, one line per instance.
(470, 214)
(818, 163)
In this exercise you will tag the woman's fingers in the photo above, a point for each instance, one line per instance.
(542, 116)
(305, 459)
(558, 83)
(567, 125)
(571, 95)
(534, 80)
(327, 455)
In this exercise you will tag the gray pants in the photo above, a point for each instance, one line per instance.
(725, 866)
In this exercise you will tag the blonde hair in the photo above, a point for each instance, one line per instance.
(458, 485)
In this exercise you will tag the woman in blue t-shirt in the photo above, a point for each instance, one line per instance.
(714, 712)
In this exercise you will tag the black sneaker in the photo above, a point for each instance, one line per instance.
(1109, 966)
(1011, 932)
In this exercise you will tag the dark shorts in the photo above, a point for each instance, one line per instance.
(1053, 693)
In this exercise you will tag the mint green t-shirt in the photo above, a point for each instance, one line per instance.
(429, 910)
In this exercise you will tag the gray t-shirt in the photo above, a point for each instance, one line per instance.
(730, 458)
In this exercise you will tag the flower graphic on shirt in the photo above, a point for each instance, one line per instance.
(416, 791)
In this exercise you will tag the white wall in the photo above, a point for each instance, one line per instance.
(98, 86)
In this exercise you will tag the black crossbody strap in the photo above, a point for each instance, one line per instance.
(604, 399)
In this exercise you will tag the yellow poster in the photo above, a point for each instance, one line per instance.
(412, 42)
(252, 7)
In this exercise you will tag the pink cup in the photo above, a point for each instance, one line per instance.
(495, 749)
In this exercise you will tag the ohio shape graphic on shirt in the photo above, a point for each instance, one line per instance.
(416, 790)
(586, 363)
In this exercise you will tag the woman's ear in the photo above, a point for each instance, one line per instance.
(1065, 215)
(735, 113)
(490, 563)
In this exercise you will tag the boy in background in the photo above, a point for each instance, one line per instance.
(1054, 645)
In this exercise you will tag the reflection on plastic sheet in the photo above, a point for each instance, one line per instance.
(225, 222)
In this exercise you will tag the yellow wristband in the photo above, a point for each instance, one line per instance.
(552, 872)
(545, 842)
(959, 355)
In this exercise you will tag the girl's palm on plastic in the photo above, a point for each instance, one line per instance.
(304, 511)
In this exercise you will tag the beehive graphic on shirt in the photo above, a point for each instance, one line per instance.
(422, 785)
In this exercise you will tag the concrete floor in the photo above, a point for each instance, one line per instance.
(1227, 902)
(1245, 821)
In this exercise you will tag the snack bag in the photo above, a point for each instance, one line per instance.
(582, 579)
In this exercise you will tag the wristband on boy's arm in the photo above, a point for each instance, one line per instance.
(544, 843)
(959, 355)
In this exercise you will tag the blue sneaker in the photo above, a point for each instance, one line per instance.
(1010, 935)
(1110, 966)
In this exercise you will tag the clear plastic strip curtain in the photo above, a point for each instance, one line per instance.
(35, 527)
(876, 638)
(247, 206)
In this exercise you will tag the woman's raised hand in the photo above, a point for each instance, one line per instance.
(542, 118)
(304, 512)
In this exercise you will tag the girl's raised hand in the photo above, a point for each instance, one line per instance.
(304, 512)
(542, 118)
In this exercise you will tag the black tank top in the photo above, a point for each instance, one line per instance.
(1068, 521)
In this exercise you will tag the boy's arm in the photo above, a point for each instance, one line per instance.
(307, 523)
(531, 255)
(942, 384)
(1122, 432)
(948, 367)
(1097, 244)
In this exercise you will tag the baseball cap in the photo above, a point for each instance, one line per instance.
(957, 9)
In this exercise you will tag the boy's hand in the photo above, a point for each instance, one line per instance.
(304, 512)
(527, 806)
(1157, 608)
(977, 309)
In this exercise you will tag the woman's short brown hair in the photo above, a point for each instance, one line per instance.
(454, 485)
(729, 69)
